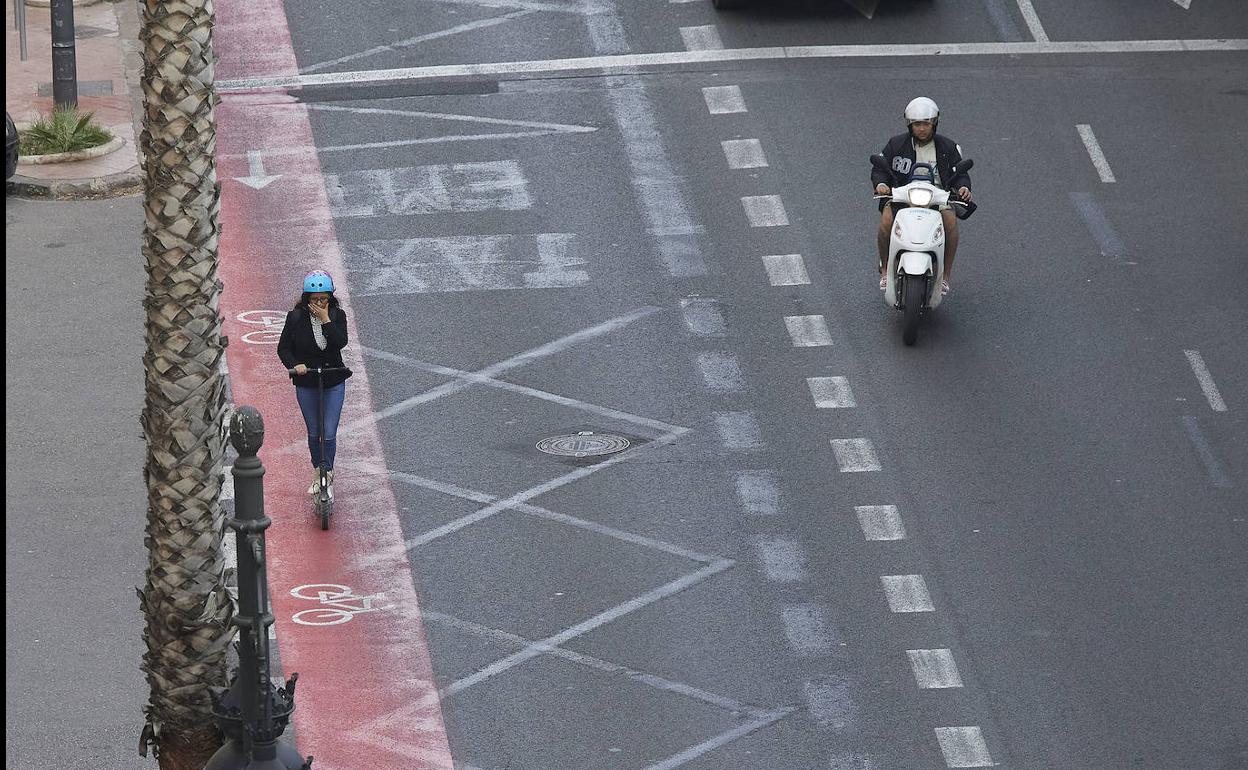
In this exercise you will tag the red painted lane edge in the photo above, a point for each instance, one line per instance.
(367, 698)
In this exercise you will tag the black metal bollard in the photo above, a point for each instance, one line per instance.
(253, 713)
(64, 55)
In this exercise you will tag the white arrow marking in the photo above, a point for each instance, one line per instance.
(257, 178)
(1184, 4)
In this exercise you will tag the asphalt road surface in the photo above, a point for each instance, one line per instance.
(1019, 543)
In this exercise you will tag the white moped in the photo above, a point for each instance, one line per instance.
(916, 250)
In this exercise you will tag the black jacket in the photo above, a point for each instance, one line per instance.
(899, 152)
(298, 346)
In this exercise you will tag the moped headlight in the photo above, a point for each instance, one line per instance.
(920, 197)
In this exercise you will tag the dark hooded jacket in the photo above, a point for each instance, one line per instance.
(899, 153)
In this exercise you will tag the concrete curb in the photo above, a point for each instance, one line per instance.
(128, 182)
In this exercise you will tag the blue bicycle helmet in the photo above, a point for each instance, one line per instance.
(318, 280)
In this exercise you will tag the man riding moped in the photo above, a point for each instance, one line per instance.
(921, 144)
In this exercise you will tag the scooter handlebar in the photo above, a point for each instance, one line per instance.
(321, 370)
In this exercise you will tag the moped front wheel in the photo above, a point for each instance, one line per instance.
(913, 294)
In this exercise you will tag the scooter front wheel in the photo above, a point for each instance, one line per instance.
(913, 295)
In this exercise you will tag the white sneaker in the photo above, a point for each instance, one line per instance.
(329, 483)
(316, 482)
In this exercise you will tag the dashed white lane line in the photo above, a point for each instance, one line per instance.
(934, 669)
(880, 522)
(744, 153)
(907, 593)
(786, 270)
(758, 492)
(1094, 151)
(1206, 380)
(830, 702)
(855, 455)
(1033, 21)
(702, 316)
(808, 331)
(703, 38)
(808, 630)
(963, 747)
(781, 559)
(765, 211)
(738, 430)
(723, 100)
(721, 372)
(830, 392)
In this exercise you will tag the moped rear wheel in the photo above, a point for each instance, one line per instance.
(913, 294)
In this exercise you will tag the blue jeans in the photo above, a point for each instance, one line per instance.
(333, 413)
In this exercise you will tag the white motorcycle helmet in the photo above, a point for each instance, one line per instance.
(922, 109)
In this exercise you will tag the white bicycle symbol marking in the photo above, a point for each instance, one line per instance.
(339, 604)
(271, 320)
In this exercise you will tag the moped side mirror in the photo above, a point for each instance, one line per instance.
(878, 161)
(963, 165)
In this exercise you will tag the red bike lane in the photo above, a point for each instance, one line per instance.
(366, 697)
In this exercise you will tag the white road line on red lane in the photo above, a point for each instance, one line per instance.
(368, 694)
(880, 522)
(855, 455)
(1033, 21)
(907, 593)
(808, 331)
(830, 392)
(963, 747)
(765, 211)
(1206, 380)
(934, 669)
(781, 559)
(1094, 151)
(758, 492)
(723, 100)
(702, 38)
(744, 153)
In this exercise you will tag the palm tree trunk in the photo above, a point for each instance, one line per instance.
(186, 608)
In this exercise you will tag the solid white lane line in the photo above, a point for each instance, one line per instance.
(723, 100)
(738, 430)
(934, 669)
(830, 392)
(455, 117)
(636, 62)
(702, 316)
(703, 38)
(1033, 21)
(786, 270)
(758, 492)
(808, 331)
(807, 628)
(724, 738)
(907, 593)
(1206, 380)
(781, 559)
(963, 747)
(765, 210)
(880, 522)
(1094, 151)
(855, 455)
(721, 372)
(744, 153)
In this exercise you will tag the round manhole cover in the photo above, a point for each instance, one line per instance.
(583, 444)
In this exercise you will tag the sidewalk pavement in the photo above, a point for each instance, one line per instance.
(109, 64)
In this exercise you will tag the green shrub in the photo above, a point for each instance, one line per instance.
(65, 131)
